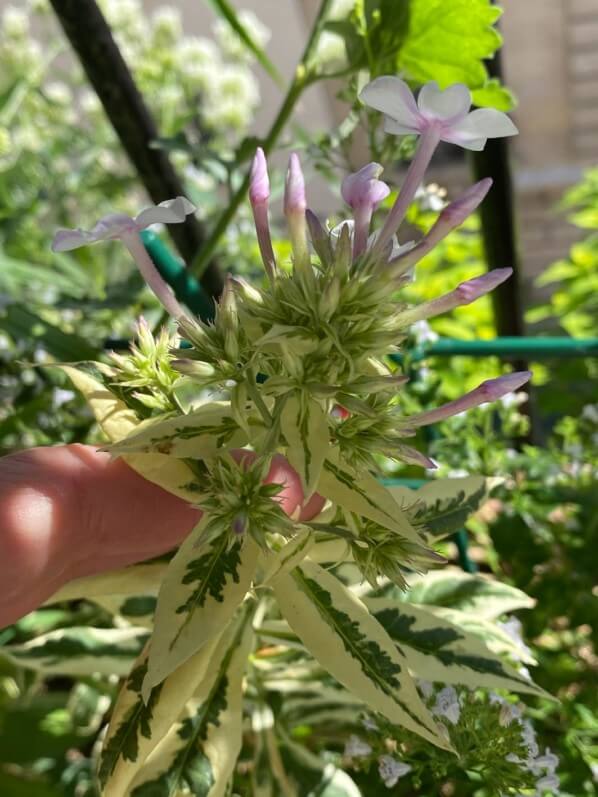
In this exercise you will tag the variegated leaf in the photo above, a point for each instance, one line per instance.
(304, 424)
(80, 651)
(443, 505)
(289, 556)
(309, 775)
(138, 610)
(437, 650)
(365, 496)
(203, 586)
(137, 725)
(143, 579)
(198, 754)
(491, 633)
(198, 435)
(338, 631)
(117, 421)
(475, 594)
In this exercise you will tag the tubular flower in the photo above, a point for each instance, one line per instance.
(126, 229)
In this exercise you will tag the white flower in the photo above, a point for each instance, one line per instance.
(548, 782)
(425, 687)
(60, 397)
(369, 724)
(508, 713)
(528, 735)
(512, 626)
(447, 705)
(391, 770)
(356, 747)
(115, 225)
(445, 112)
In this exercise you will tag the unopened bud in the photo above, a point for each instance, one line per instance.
(194, 368)
(294, 209)
(259, 194)
(449, 219)
(463, 294)
(491, 390)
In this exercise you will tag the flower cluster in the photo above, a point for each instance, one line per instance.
(491, 735)
(303, 361)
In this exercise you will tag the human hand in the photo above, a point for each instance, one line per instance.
(72, 511)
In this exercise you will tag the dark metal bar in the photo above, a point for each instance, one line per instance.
(92, 40)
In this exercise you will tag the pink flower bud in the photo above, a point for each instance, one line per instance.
(259, 186)
(259, 194)
(491, 390)
(294, 194)
(465, 293)
(363, 189)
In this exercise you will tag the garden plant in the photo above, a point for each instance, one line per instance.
(311, 635)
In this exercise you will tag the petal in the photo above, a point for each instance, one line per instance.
(395, 128)
(363, 189)
(172, 211)
(65, 240)
(112, 226)
(480, 125)
(452, 103)
(392, 96)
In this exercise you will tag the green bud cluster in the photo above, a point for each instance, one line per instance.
(238, 503)
(146, 370)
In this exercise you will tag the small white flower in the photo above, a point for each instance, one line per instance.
(425, 687)
(356, 747)
(549, 762)
(369, 724)
(115, 225)
(508, 713)
(590, 413)
(548, 782)
(446, 112)
(447, 705)
(391, 770)
(60, 397)
(528, 735)
(512, 626)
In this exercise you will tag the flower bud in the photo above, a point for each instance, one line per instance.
(491, 390)
(295, 207)
(259, 194)
(465, 293)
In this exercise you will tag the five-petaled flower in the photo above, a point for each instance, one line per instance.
(119, 226)
(444, 112)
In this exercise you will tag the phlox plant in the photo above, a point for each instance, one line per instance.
(296, 590)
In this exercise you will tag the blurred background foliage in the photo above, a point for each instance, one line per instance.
(61, 165)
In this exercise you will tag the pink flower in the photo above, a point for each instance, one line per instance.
(446, 112)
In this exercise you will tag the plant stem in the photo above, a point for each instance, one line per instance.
(302, 79)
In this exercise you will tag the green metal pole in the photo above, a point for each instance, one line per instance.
(510, 348)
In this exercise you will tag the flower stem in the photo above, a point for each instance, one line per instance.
(428, 142)
(151, 275)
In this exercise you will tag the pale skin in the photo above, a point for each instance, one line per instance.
(72, 511)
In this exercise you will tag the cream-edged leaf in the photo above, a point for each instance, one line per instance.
(365, 496)
(199, 753)
(118, 421)
(203, 586)
(490, 632)
(137, 726)
(443, 505)
(472, 593)
(340, 633)
(200, 434)
(287, 557)
(437, 650)
(304, 424)
(143, 579)
(80, 651)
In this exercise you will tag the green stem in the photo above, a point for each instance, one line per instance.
(302, 79)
